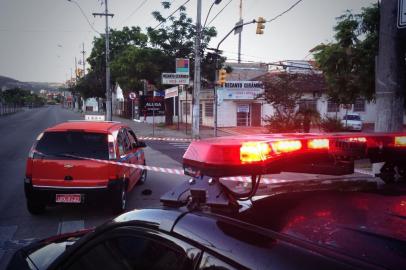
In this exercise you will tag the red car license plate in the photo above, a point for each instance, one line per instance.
(68, 198)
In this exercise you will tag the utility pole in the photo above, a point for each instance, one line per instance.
(389, 72)
(83, 59)
(196, 81)
(239, 35)
(76, 70)
(106, 14)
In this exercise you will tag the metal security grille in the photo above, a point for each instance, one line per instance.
(243, 115)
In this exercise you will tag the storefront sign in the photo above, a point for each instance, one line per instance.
(152, 106)
(243, 85)
(182, 65)
(171, 92)
(241, 90)
(175, 78)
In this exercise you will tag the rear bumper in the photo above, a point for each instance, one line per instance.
(47, 194)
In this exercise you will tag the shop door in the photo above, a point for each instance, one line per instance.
(243, 115)
(256, 114)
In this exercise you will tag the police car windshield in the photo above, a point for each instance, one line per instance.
(70, 144)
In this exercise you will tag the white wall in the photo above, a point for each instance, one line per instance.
(157, 120)
(368, 116)
(267, 110)
(227, 114)
(91, 102)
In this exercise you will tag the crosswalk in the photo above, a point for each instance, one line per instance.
(180, 145)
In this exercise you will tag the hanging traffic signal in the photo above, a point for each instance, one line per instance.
(222, 76)
(260, 25)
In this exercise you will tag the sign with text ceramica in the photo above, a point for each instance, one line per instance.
(241, 90)
(175, 78)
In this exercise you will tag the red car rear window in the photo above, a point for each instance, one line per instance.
(71, 144)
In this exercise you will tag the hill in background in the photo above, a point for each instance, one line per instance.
(9, 83)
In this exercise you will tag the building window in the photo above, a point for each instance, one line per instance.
(332, 106)
(208, 109)
(359, 105)
(186, 108)
(308, 104)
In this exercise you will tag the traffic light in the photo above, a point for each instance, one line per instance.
(222, 76)
(260, 25)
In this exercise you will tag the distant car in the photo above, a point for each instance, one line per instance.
(67, 164)
(352, 122)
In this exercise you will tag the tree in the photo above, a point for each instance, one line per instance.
(348, 64)
(90, 86)
(120, 41)
(21, 97)
(176, 39)
(283, 92)
(137, 64)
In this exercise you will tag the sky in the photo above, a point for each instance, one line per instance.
(39, 39)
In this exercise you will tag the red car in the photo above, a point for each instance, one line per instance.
(76, 162)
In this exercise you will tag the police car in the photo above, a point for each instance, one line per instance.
(340, 222)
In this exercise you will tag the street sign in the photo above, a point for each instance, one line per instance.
(175, 78)
(401, 13)
(238, 27)
(132, 95)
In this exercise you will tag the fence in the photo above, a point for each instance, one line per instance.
(8, 108)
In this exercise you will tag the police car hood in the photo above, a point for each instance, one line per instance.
(366, 225)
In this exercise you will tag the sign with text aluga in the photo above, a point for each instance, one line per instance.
(175, 78)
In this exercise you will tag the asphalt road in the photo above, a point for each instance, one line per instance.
(174, 150)
(17, 226)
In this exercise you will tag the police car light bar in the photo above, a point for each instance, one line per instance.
(274, 153)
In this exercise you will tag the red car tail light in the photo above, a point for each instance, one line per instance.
(112, 150)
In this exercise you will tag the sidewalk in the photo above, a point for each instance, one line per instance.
(158, 130)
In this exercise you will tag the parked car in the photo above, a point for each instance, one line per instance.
(352, 121)
(73, 163)
(341, 222)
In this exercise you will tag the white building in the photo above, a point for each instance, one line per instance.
(238, 104)
(90, 105)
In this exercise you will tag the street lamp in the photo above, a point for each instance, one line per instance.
(216, 2)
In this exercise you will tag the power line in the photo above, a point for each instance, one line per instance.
(84, 15)
(171, 14)
(44, 30)
(135, 10)
(286, 11)
(219, 12)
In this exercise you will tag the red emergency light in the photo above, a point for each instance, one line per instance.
(273, 153)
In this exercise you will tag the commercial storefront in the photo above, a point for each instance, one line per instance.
(239, 104)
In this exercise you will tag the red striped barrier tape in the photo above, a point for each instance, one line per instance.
(169, 139)
(179, 171)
